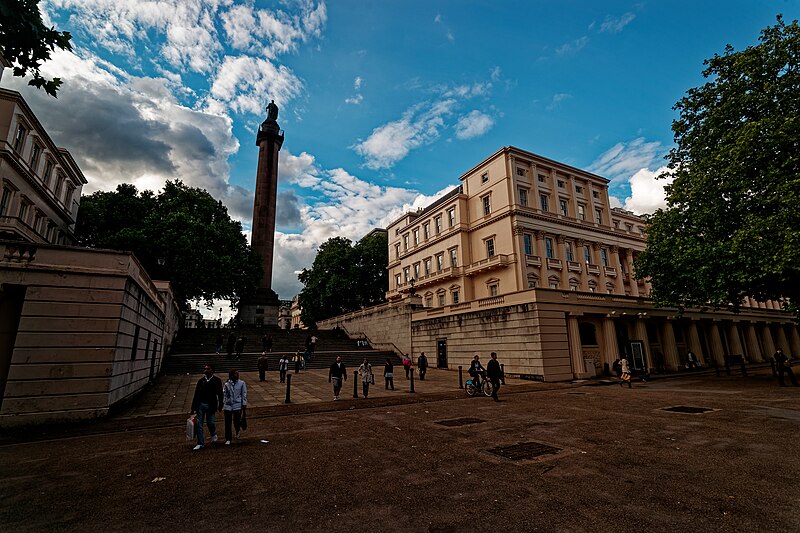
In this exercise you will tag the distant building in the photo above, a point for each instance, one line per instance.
(192, 319)
(528, 258)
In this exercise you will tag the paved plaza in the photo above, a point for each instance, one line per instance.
(548, 457)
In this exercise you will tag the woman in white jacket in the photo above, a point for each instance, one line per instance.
(235, 404)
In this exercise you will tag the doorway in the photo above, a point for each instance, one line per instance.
(441, 353)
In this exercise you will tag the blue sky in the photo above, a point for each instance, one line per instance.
(384, 104)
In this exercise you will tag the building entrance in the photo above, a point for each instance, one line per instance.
(441, 353)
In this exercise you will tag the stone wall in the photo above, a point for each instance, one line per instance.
(387, 326)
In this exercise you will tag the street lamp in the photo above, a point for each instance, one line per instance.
(413, 291)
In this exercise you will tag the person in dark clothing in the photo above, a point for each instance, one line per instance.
(783, 366)
(337, 373)
(476, 370)
(239, 347)
(264, 343)
(691, 360)
(269, 343)
(263, 366)
(388, 373)
(494, 373)
(407, 364)
(422, 364)
(298, 360)
(206, 402)
(218, 344)
(231, 344)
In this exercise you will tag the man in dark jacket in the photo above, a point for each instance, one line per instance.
(263, 366)
(422, 364)
(782, 362)
(206, 402)
(494, 373)
(337, 373)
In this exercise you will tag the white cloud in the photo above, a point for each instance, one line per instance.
(572, 47)
(246, 83)
(357, 82)
(473, 124)
(647, 193)
(355, 100)
(438, 18)
(616, 24)
(624, 159)
(555, 102)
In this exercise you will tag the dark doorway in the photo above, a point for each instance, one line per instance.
(11, 299)
(441, 353)
(637, 355)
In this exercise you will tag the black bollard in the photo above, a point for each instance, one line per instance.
(774, 370)
(727, 359)
(461, 378)
(412, 381)
(288, 388)
(355, 383)
(716, 365)
(744, 368)
(502, 373)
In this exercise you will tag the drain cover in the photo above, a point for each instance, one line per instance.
(455, 422)
(524, 450)
(689, 410)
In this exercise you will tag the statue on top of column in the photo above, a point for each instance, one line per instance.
(272, 111)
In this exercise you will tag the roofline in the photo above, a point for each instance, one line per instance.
(513, 149)
(435, 205)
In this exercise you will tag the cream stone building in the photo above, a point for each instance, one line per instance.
(528, 258)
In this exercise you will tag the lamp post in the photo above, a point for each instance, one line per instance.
(413, 291)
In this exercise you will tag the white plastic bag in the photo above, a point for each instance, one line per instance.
(191, 428)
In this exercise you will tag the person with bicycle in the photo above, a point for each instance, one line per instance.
(476, 371)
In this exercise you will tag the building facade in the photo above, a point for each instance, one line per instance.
(528, 258)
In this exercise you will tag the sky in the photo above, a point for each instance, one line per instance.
(384, 104)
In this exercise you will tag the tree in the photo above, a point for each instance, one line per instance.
(182, 235)
(731, 228)
(344, 278)
(26, 42)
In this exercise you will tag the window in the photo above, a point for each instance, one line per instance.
(521, 172)
(135, 347)
(397, 251)
(523, 197)
(416, 270)
(616, 224)
(441, 300)
(526, 238)
(578, 188)
(544, 201)
(405, 242)
(416, 237)
(439, 262)
(23, 210)
(426, 230)
(548, 245)
(531, 283)
(581, 212)
(427, 266)
(485, 177)
(451, 216)
(487, 204)
(560, 184)
(5, 200)
(595, 194)
(489, 247)
(48, 171)
(36, 153)
(493, 289)
(604, 256)
(629, 227)
(598, 215)
(454, 296)
(406, 275)
(542, 178)
(19, 137)
(570, 254)
(553, 285)
(438, 222)
(562, 204)
(587, 255)
(429, 301)
(68, 197)
(454, 257)
(59, 184)
(397, 279)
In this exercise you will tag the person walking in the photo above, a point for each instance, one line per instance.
(783, 366)
(313, 346)
(218, 343)
(626, 372)
(231, 344)
(298, 360)
(235, 406)
(263, 366)
(283, 367)
(691, 360)
(493, 374)
(239, 347)
(336, 373)
(407, 364)
(422, 364)
(206, 402)
(476, 371)
(388, 373)
(367, 377)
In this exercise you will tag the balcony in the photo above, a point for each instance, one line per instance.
(533, 260)
(21, 230)
(593, 269)
(490, 263)
(611, 272)
(555, 264)
(573, 266)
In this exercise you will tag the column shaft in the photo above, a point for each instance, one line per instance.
(575, 348)
(753, 349)
(671, 358)
(717, 351)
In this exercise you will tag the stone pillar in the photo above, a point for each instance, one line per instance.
(575, 349)
(619, 284)
(782, 341)
(631, 278)
(584, 277)
(734, 344)
(715, 341)
(558, 252)
(610, 346)
(640, 330)
(753, 349)
(794, 339)
(694, 344)
(603, 280)
(767, 342)
(672, 360)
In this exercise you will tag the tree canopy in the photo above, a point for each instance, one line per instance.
(26, 42)
(182, 234)
(731, 228)
(344, 277)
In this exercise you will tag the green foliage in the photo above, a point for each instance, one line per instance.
(182, 235)
(731, 228)
(344, 278)
(26, 42)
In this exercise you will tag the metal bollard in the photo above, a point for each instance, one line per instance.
(412, 381)
(355, 383)
(288, 388)
(716, 365)
(461, 378)
(727, 359)
(744, 368)
(774, 370)
(502, 373)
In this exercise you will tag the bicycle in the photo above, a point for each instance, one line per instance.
(485, 387)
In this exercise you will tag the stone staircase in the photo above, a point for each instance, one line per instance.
(195, 347)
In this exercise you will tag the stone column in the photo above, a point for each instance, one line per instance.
(753, 349)
(734, 344)
(558, 252)
(575, 349)
(610, 347)
(603, 280)
(619, 284)
(672, 360)
(782, 341)
(640, 330)
(631, 278)
(767, 342)
(794, 339)
(715, 341)
(693, 342)
(584, 277)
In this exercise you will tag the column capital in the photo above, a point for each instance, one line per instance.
(614, 248)
(560, 238)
